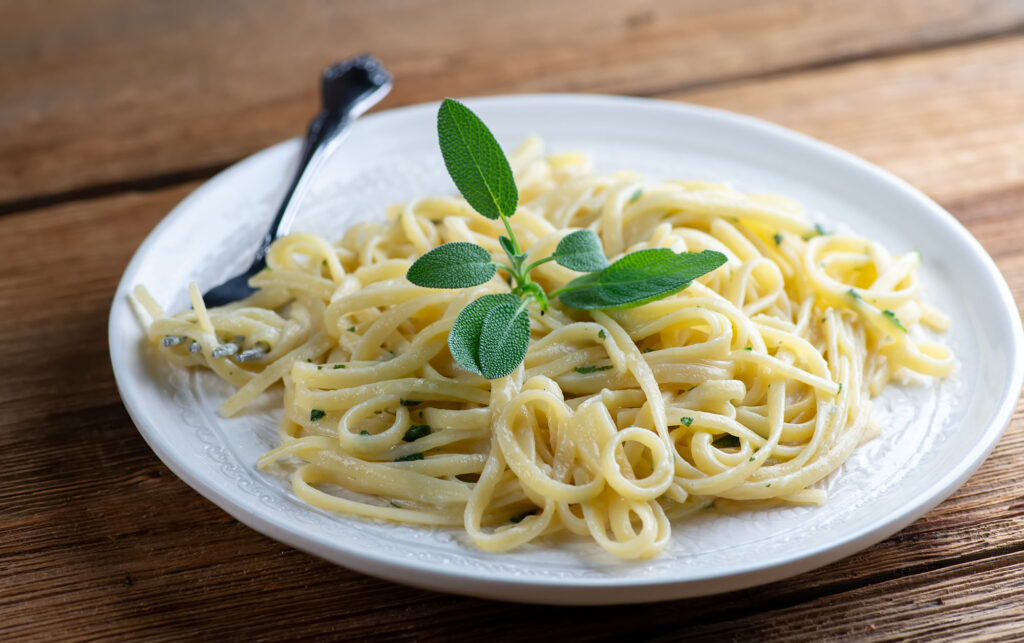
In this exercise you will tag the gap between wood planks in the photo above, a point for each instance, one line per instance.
(885, 51)
(164, 180)
(143, 184)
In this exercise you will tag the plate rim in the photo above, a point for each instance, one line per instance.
(589, 590)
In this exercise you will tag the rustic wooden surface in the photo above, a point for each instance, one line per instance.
(111, 112)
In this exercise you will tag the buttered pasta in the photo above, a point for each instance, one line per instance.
(747, 388)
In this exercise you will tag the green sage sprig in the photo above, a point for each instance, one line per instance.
(492, 334)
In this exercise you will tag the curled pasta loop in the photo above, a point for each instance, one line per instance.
(752, 385)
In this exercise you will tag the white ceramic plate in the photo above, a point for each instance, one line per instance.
(934, 437)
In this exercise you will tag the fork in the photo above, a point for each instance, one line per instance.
(348, 89)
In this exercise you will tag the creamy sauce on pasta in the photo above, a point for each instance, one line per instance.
(748, 387)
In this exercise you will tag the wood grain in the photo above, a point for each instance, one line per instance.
(101, 506)
(959, 602)
(116, 92)
(947, 121)
(116, 107)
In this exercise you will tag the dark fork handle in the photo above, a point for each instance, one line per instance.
(349, 88)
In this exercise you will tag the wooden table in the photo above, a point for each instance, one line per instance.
(112, 111)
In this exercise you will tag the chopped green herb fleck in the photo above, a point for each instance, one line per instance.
(749, 348)
(128, 580)
(648, 350)
(692, 387)
(518, 518)
(324, 262)
(351, 329)
(316, 414)
(410, 457)
(337, 366)
(752, 458)
(409, 402)
(416, 431)
(686, 421)
(840, 388)
(364, 432)
(778, 239)
(820, 230)
(726, 441)
(602, 334)
(309, 359)
(892, 317)
(584, 370)
(319, 367)
(395, 505)
(636, 195)
(768, 485)
(853, 293)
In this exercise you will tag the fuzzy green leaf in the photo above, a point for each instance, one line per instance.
(464, 339)
(581, 251)
(638, 278)
(475, 161)
(506, 245)
(504, 339)
(459, 264)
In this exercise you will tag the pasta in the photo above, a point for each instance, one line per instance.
(747, 388)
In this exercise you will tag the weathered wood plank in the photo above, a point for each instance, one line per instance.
(117, 91)
(970, 601)
(947, 121)
(83, 501)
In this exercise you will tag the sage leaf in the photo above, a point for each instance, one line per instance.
(506, 245)
(638, 278)
(458, 264)
(581, 251)
(464, 338)
(475, 161)
(504, 339)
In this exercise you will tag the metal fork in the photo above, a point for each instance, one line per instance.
(349, 88)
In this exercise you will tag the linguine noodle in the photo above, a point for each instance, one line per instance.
(748, 387)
